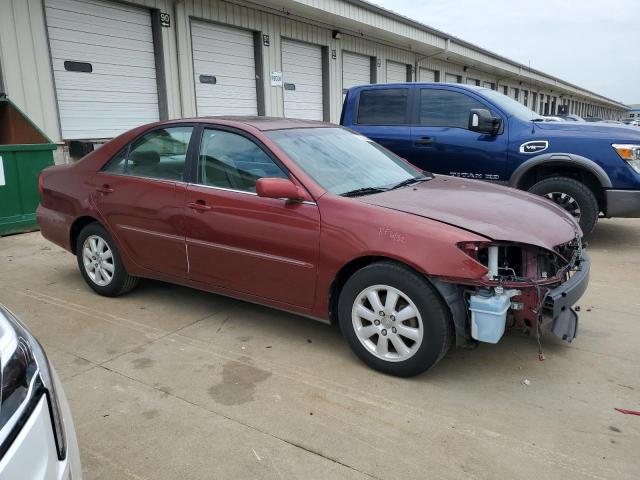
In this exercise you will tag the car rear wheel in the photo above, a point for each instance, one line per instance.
(100, 263)
(394, 320)
(572, 195)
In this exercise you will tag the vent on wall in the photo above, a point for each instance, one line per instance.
(83, 67)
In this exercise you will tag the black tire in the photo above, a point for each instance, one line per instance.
(582, 195)
(436, 318)
(121, 282)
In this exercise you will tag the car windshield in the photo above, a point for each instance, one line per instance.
(343, 162)
(509, 105)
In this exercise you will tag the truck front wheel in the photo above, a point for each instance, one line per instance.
(575, 197)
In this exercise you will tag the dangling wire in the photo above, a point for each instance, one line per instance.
(538, 312)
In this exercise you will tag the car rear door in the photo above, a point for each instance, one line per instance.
(442, 142)
(140, 194)
(263, 247)
(382, 114)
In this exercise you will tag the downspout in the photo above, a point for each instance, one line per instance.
(176, 5)
(447, 44)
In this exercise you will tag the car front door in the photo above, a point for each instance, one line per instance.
(140, 194)
(263, 247)
(442, 142)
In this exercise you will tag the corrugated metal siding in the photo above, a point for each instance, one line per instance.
(29, 80)
(26, 68)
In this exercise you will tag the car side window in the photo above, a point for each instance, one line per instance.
(230, 160)
(159, 154)
(383, 106)
(445, 108)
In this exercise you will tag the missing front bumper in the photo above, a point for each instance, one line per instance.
(558, 302)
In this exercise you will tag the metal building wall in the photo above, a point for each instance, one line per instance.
(28, 79)
(28, 76)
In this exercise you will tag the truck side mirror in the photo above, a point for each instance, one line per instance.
(481, 121)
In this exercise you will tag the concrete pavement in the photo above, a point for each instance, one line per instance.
(168, 382)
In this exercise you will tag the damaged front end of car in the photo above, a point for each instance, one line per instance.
(525, 286)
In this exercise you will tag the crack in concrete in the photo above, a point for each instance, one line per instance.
(246, 425)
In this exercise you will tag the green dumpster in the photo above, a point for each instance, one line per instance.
(24, 152)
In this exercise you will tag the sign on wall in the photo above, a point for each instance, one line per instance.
(276, 79)
(165, 20)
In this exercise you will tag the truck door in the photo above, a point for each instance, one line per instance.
(382, 114)
(442, 143)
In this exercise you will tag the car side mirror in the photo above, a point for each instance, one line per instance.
(278, 188)
(481, 121)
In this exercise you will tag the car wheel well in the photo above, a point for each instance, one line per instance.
(544, 171)
(345, 273)
(77, 226)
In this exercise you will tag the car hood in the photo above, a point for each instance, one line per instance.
(495, 212)
(604, 130)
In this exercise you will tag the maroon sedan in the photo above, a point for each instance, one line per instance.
(315, 219)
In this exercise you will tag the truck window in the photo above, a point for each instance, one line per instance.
(444, 108)
(383, 106)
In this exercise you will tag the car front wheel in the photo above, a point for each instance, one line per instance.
(394, 320)
(100, 263)
(575, 197)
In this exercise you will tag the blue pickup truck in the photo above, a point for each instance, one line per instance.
(590, 169)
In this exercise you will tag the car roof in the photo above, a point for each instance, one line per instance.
(418, 84)
(265, 123)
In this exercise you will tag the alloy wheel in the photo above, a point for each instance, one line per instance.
(387, 323)
(567, 202)
(98, 261)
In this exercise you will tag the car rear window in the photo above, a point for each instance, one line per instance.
(386, 106)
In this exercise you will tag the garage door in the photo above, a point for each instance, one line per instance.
(396, 72)
(103, 65)
(302, 77)
(450, 78)
(224, 67)
(427, 75)
(473, 81)
(356, 70)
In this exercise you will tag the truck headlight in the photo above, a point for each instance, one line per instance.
(26, 376)
(629, 153)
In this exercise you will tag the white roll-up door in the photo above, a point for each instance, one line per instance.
(426, 75)
(103, 65)
(473, 81)
(302, 80)
(224, 70)
(356, 70)
(396, 72)
(450, 78)
(487, 85)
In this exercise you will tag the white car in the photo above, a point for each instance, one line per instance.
(37, 438)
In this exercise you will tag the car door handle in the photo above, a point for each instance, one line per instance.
(424, 141)
(199, 205)
(104, 189)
